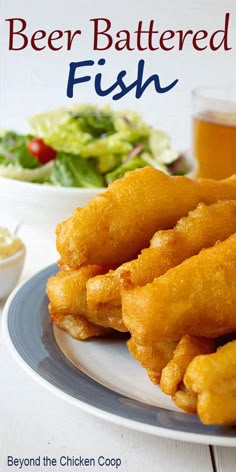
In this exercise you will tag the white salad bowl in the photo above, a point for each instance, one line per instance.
(10, 271)
(39, 205)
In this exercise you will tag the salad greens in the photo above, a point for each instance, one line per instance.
(74, 171)
(85, 146)
(120, 171)
(13, 151)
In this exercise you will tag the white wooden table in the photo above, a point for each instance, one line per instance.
(34, 422)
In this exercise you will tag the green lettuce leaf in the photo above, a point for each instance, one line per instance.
(4, 161)
(95, 121)
(120, 171)
(108, 162)
(73, 171)
(160, 147)
(38, 175)
(60, 131)
(13, 151)
(113, 144)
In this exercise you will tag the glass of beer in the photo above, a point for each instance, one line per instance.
(214, 132)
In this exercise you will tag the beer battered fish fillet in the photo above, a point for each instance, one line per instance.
(67, 295)
(212, 378)
(198, 297)
(152, 357)
(200, 229)
(115, 225)
(185, 400)
(173, 373)
(187, 348)
(77, 326)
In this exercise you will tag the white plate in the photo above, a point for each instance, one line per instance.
(99, 376)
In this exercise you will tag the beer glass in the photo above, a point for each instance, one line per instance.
(214, 132)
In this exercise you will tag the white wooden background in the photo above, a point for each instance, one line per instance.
(35, 422)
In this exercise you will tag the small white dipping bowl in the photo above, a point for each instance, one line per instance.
(10, 271)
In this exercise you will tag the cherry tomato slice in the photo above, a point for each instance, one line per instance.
(41, 151)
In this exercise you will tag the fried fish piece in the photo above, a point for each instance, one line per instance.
(77, 326)
(173, 373)
(185, 400)
(117, 224)
(212, 378)
(198, 297)
(67, 294)
(67, 289)
(187, 348)
(152, 357)
(200, 229)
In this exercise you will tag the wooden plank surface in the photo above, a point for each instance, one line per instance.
(225, 459)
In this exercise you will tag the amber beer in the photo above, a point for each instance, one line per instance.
(214, 134)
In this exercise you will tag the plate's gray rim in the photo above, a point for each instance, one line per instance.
(167, 433)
